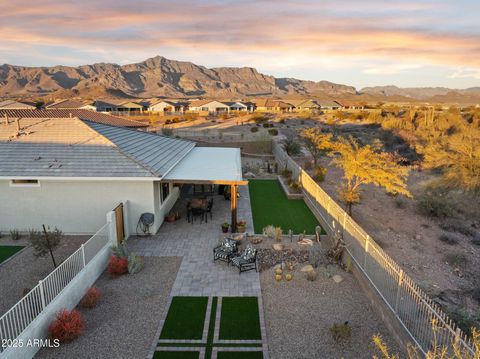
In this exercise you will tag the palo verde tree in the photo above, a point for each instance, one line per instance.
(45, 242)
(316, 142)
(362, 165)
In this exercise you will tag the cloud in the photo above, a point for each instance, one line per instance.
(466, 73)
(391, 69)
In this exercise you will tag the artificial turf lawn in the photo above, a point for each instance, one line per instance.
(240, 319)
(240, 355)
(8, 251)
(270, 206)
(185, 318)
(176, 355)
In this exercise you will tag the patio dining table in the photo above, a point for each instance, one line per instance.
(200, 203)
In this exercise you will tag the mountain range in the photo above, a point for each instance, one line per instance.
(161, 77)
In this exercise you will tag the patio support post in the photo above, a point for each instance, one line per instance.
(233, 201)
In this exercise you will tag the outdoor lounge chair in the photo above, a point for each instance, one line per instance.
(247, 260)
(226, 250)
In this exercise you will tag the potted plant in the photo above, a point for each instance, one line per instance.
(241, 226)
(225, 227)
(171, 217)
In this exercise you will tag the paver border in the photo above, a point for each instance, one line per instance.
(215, 350)
(201, 350)
(15, 254)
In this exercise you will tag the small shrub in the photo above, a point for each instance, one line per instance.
(454, 225)
(135, 263)
(278, 234)
(434, 205)
(312, 276)
(341, 331)
(307, 165)
(399, 202)
(456, 259)
(117, 265)
(319, 173)
(91, 298)
(315, 256)
(67, 325)
(269, 231)
(266, 125)
(476, 240)
(15, 234)
(463, 319)
(282, 120)
(286, 173)
(273, 132)
(121, 250)
(448, 238)
(254, 129)
(295, 186)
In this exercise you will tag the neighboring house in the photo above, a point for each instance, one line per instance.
(329, 105)
(270, 105)
(240, 106)
(13, 115)
(208, 106)
(304, 105)
(350, 105)
(69, 104)
(17, 105)
(166, 106)
(118, 106)
(68, 173)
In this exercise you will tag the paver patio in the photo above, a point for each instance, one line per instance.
(199, 275)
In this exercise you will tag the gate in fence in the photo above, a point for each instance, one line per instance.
(421, 318)
(119, 223)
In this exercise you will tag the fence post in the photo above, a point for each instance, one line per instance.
(42, 294)
(400, 281)
(83, 255)
(367, 240)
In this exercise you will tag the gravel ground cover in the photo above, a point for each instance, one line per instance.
(8, 251)
(240, 319)
(300, 313)
(126, 319)
(185, 318)
(22, 272)
(270, 206)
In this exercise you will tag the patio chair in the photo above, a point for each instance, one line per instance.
(197, 212)
(209, 208)
(226, 250)
(247, 260)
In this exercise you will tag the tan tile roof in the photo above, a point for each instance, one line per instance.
(81, 114)
(66, 104)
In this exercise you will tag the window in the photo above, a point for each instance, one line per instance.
(24, 183)
(165, 191)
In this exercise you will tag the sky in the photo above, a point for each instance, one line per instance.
(360, 43)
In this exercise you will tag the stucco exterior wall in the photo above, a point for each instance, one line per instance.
(74, 206)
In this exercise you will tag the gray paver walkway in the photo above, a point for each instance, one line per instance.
(198, 274)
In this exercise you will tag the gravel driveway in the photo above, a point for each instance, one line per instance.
(124, 323)
(299, 314)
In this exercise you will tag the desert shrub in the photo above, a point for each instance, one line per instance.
(341, 331)
(315, 256)
(295, 186)
(117, 265)
(456, 259)
(91, 298)
(399, 202)
(463, 319)
(191, 116)
(455, 225)
(121, 250)
(15, 234)
(282, 120)
(135, 263)
(266, 125)
(292, 146)
(259, 118)
(432, 204)
(319, 173)
(448, 238)
(307, 165)
(254, 129)
(67, 325)
(286, 173)
(269, 231)
(273, 132)
(476, 240)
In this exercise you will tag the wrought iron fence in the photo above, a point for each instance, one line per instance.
(422, 319)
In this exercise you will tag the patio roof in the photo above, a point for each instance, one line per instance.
(217, 165)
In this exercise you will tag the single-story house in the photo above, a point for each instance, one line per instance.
(350, 105)
(69, 104)
(68, 173)
(208, 106)
(17, 105)
(129, 107)
(107, 119)
(329, 105)
(166, 106)
(270, 105)
(304, 105)
(240, 106)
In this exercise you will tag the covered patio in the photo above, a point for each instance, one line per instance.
(206, 172)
